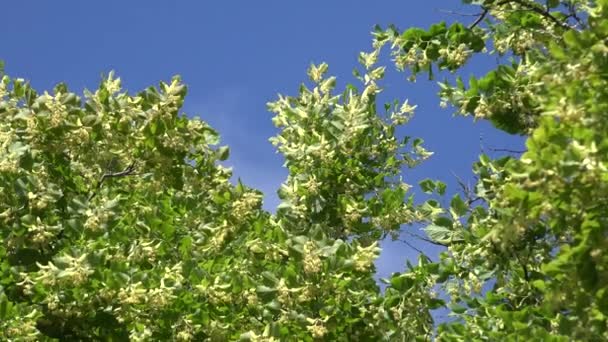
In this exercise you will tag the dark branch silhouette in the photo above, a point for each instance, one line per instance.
(426, 240)
(507, 150)
(128, 171)
(458, 13)
(480, 17)
(538, 10)
(416, 249)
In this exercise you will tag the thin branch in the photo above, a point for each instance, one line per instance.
(537, 10)
(469, 194)
(458, 13)
(426, 240)
(506, 150)
(466, 189)
(572, 14)
(416, 249)
(523, 266)
(473, 200)
(128, 171)
(480, 17)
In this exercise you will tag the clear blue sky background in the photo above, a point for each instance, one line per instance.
(236, 56)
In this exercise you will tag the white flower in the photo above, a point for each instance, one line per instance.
(365, 256)
(316, 328)
(316, 72)
(312, 262)
(369, 59)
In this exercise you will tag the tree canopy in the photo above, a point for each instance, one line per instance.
(119, 222)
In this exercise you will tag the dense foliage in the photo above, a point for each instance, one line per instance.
(538, 241)
(118, 221)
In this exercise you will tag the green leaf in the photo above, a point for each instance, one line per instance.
(438, 29)
(441, 187)
(438, 234)
(459, 207)
(557, 51)
(427, 185)
(270, 276)
(265, 289)
(5, 306)
(436, 303)
(223, 153)
(18, 148)
(402, 282)
(540, 284)
(443, 235)
(572, 39)
(274, 306)
(457, 308)
(248, 336)
(443, 221)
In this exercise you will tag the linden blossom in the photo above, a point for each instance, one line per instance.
(119, 222)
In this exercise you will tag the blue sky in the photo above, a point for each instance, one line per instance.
(236, 56)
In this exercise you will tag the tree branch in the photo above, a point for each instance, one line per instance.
(572, 14)
(537, 10)
(481, 16)
(468, 193)
(128, 171)
(426, 240)
(506, 150)
(416, 249)
(466, 189)
(523, 266)
(458, 13)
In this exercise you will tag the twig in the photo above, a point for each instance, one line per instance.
(537, 10)
(129, 171)
(506, 150)
(416, 249)
(473, 200)
(523, 266)
(572, 14)
(426, 240)
(458, 13)
(479, 18)
(466, 190)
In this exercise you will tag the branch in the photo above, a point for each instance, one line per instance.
(572, 14)
(537, 10)
(506, 150)
(426, 240)
(523, 266)
(129, 171)
(416, 249)
(458, 13)
(466, 189)
(473, 200)
(469, 194)
(479, 18)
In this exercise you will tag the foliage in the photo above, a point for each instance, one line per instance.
(119, 222)
(537, 243)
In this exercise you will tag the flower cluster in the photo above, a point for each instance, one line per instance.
(57, 110)
(316, 328)
(312, 262)
(457, 56)
(365, 256)
(75, 271)
(246, 204)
